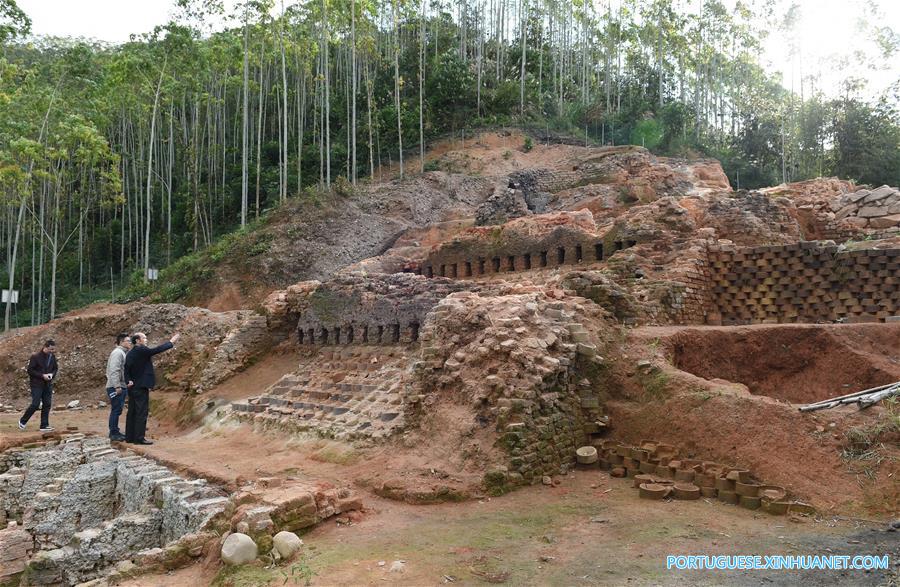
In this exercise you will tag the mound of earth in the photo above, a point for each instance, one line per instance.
(213, 347)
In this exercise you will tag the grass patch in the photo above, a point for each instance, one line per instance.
(324, 451)
(298, 572)
(864, 446)
(336, 453)
(655, 384)
(465, 542)
(703, 394)
(246, 576)
(194, 272)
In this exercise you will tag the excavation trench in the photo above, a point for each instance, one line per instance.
(74, 508)
(797, 364)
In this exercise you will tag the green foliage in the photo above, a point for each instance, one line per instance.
(528, 144)
(647, 133)
(449, 90)
(867, 142)
(13, 21)
(75, 118)
(655, 383)
(342, 187)
(194, 273)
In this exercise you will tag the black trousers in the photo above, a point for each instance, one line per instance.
(138, 409)
(41, 397)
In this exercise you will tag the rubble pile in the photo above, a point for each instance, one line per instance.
(877, 209)
(520, 361)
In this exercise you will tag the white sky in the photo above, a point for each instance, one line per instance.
(827, 27)
(106, 20)
(827, 30)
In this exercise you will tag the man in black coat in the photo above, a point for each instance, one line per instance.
(141, 379)
(42, 368)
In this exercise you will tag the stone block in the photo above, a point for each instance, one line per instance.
(872, 212)
(239, 549)
(882, 222)
(878, 194)
(862, 319)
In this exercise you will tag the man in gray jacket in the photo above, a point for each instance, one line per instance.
(116, 388)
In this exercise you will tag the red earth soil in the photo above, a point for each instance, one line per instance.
(716, 419)
(796, 363)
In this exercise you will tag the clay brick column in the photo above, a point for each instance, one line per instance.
(16, 545)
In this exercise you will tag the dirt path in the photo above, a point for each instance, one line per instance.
(591, 530)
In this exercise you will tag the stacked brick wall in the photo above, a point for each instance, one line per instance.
(696, 302)
(379, 309)
(16, 546)
(563, 247)
(356, 309)
(804, 282)
(525, 362)
(249, 339)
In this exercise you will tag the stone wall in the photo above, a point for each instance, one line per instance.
(682, 299)
(876, 209)
(246, 341)
(804, 282)
(84, 507)
(379, 309)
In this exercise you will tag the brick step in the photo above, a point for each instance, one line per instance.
(365, 420)
(315, 396)
(342, 387)
(336, 405)
(244, 406)
(311, 401)
(310, 410)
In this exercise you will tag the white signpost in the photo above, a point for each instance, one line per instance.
(6, 296)
(152, 274)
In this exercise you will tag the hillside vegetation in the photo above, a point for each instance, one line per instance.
(118, 159)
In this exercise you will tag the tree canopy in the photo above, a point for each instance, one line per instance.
(115, 159)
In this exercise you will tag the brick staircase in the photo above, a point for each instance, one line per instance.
(344, 392)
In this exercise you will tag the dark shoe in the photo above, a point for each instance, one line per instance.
(117, 437)
(143, 441)
(47, 428)
(21, 425)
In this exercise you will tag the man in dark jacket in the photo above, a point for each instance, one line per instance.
(141, 378)
(42, 368)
